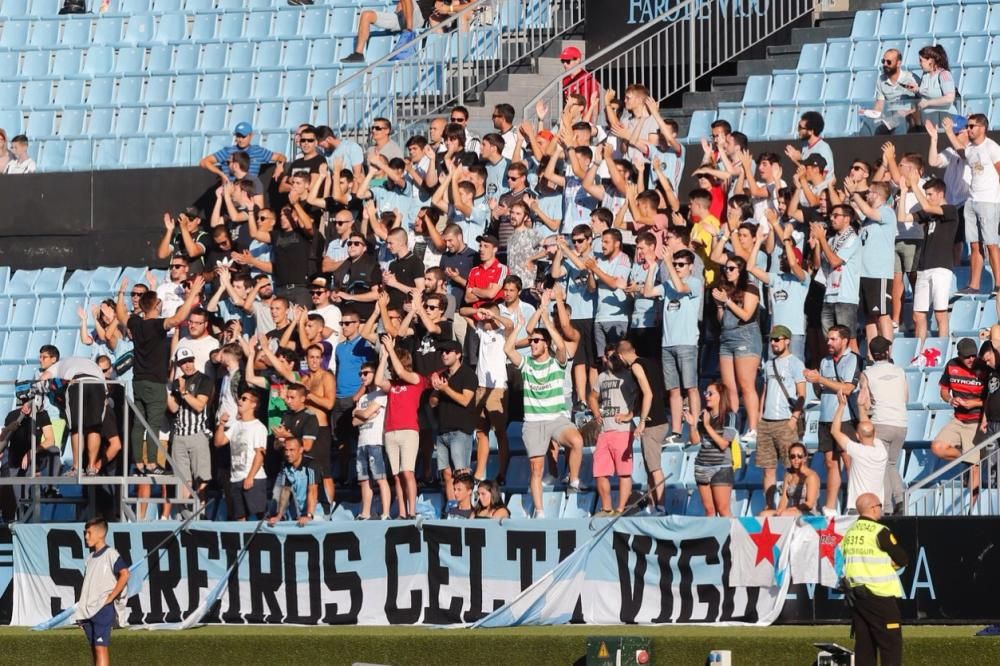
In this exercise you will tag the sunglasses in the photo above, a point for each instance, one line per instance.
(105, 369)
(378, 128)
(354, 243)
(565, 62)
(858, 168)
(365, 373)
(579, 240)
(316, 291)
(433, 307)
(244, 398)
(536, 339)
(340, 222)
(797, 456)
(681, 264)
(730, 269)
(514, 176)
(137, 294)
(777, 339)
(888, 62)
(348, 322)
(457, 120)
(178, 265)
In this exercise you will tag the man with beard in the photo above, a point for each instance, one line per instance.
(894, 98)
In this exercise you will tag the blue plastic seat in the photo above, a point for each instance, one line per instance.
(267, 54)
(323, 80)
(865, 54)
(752, 122)
(920, 463)
(203, 28)
(862, 87)
(76, 31)
(810, 88)
(974, 82)
(35, 63)
(811, 57)
(157, 89)
(107, 153)
(952, 46)
(914, 388)
(577, 505)
(127, 120)
(101, 120)
(50, 281)
(239, 86)
(314, 21)
(275, 141)
(258, 26)
(22, 318)
(136, 153)
(71, 122)
(52, 155)
(296, 52)
(129, 59)
(903, 351)
(67, 62)
(166, 5)
(171, 28)
(156, 120)
(700, 124)
(108, 30)
(213, 56)
(918, 22)
(267, 86)
(9, 61)
(231, 26)
(36, 93)
(44, 33)
(891, 22)
(299, 111)
(139, 29)
(324, 53)
(930, 393)
(76, 285)
(989, 316)
(211, 88)
(286, 23)
(185, 118)
(241, 111)
(213, 118)
(47, 312)
(240, 56)
(865, 24)
(79, 154)
(974, 51)
(945, 20)
(942, 346)
(838, 119)
(41, 123)
(15, 350)
(15, 34)
(129, 90)
(161, 151)
(938, 419)
(161, 58)
(296, 83)
(974, 19)
(780, 123)
(15, 8)
(44, 7)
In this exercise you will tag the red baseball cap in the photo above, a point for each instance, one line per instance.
(570, 53)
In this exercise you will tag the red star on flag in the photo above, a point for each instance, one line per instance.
(828, 540)
(765, 540)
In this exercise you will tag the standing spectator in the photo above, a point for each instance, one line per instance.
(492, 400)
(336, 250)
(351, 353)
(406, 271)
(682, 299)
(320, 288)
(320, 391)
(261, 309)
(580, 82)
(382, 143)
(840, 258)
(788, 286)
(784, 399)
(503, 123)
(810, 127)
(398, 21)
(962, 387)
(713, 471)
(894, 98)
(569, 264)
(982, 210)
(545, 415)
(199, 342)
(369, 417)
(878, 240)
(909, 234)
(343, 150)
(295, 489)
(937, 85)
(655, 424)
(838, 373)
(184, 237)
(737, 302)
(884, 393)
(171, 291)
(150, 375)
(454, 398)
(21, 163)
(484, 284)
(934, 269)
(644, 328)
(957, 176)
(867, 453)
(522, 243)
(402, 430)
(356, 283)
(247, 441)
(187, 399)
(291, 251)
(218, 162)
(311, 165)
(800, 488)
(608, 276)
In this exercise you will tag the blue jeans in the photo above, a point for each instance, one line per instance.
(454, 450)
(680, 367)
(608, 332)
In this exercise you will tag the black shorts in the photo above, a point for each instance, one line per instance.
(585, 354)
(876, 297)
(109, 427)
(826, 442)
(340, 421)
(245, 503)
(320, 452)
(95, 398)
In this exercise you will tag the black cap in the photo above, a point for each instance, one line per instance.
(448, 346)
(967, 347)
(815, 160)
(192, 213)
(488, 238)
(879, 345)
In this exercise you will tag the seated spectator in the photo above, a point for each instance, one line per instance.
(461, 507)
(895, 99)
(489, 501)
(219, 161)
(6, 155)
(800, 488)
(21, 163)
(713, 471)
(296, 490)
(400, 20)
(108, 335)
(937, 85)
(247, 441)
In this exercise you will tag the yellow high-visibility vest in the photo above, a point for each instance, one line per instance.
(866, 564)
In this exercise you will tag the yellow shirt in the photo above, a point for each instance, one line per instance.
(705, 238)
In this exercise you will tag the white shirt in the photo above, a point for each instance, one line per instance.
(73, 366)
(245, 437)
(370, 432)
(887, 386)
(985, 185)
(492, 367)
(867, 473)
(957, 176)
(202, 349)
(15, 167)
(331, 317)
(509, 140)
(172, 295)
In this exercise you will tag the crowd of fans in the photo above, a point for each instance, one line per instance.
(380, 317)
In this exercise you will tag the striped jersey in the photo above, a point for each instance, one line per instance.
(543, 388)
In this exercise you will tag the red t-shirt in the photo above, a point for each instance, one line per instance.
(964, 383)
(403, 405)
(581, 83)
(484, 276)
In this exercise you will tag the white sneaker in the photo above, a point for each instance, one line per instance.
(750, 437)
(829, 513)
(549, 480)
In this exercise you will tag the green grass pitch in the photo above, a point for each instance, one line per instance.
(528, 646)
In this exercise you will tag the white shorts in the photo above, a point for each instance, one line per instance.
(933, 289)
(390, 21)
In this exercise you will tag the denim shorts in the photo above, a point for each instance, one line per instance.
(741, 342)
(371, 463)
(981, 222)
(680, 367)
(454, 450)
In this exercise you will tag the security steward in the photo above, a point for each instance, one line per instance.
(871, 556)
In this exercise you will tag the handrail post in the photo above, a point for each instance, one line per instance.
(692, 69)
(461, 62)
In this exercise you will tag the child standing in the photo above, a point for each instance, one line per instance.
(104, 580)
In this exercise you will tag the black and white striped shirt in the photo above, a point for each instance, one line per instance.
(187, 421)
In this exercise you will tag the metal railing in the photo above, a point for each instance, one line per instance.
(965, 486)
(447, 62)
(32, 483)
(672, 51)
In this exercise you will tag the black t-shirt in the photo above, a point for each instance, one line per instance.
(406, 270)
(302, 425)
(991, 396)
(305, 165)
(20, 440)
(939, 237)
(423, 346)
(151, 348)
(451, 415)
(354, 204)
(290, 253)
(358, 277)
(658, 410)
(276, 333)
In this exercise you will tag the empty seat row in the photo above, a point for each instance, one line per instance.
(861, 54)
(49, 8)
(913, 21)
